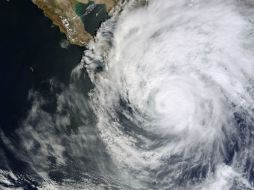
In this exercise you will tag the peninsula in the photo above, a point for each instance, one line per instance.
(78, 19)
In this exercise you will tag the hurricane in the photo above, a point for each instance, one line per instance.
(171, 105)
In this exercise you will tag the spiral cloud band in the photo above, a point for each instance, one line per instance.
(175, 101)
(163, 99)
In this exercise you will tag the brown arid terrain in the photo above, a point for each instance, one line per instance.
(62, 13)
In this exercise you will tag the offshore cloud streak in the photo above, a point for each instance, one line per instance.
(171, 107)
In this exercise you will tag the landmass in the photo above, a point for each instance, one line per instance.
(78, 19)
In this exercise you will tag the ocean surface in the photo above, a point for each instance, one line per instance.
(162, 99)
(31, 56)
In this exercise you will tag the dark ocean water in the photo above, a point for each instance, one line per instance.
(30, 55)
(120, 137)
(29, 42)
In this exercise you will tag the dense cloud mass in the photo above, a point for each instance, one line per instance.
(171, 108)
(175, 103)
